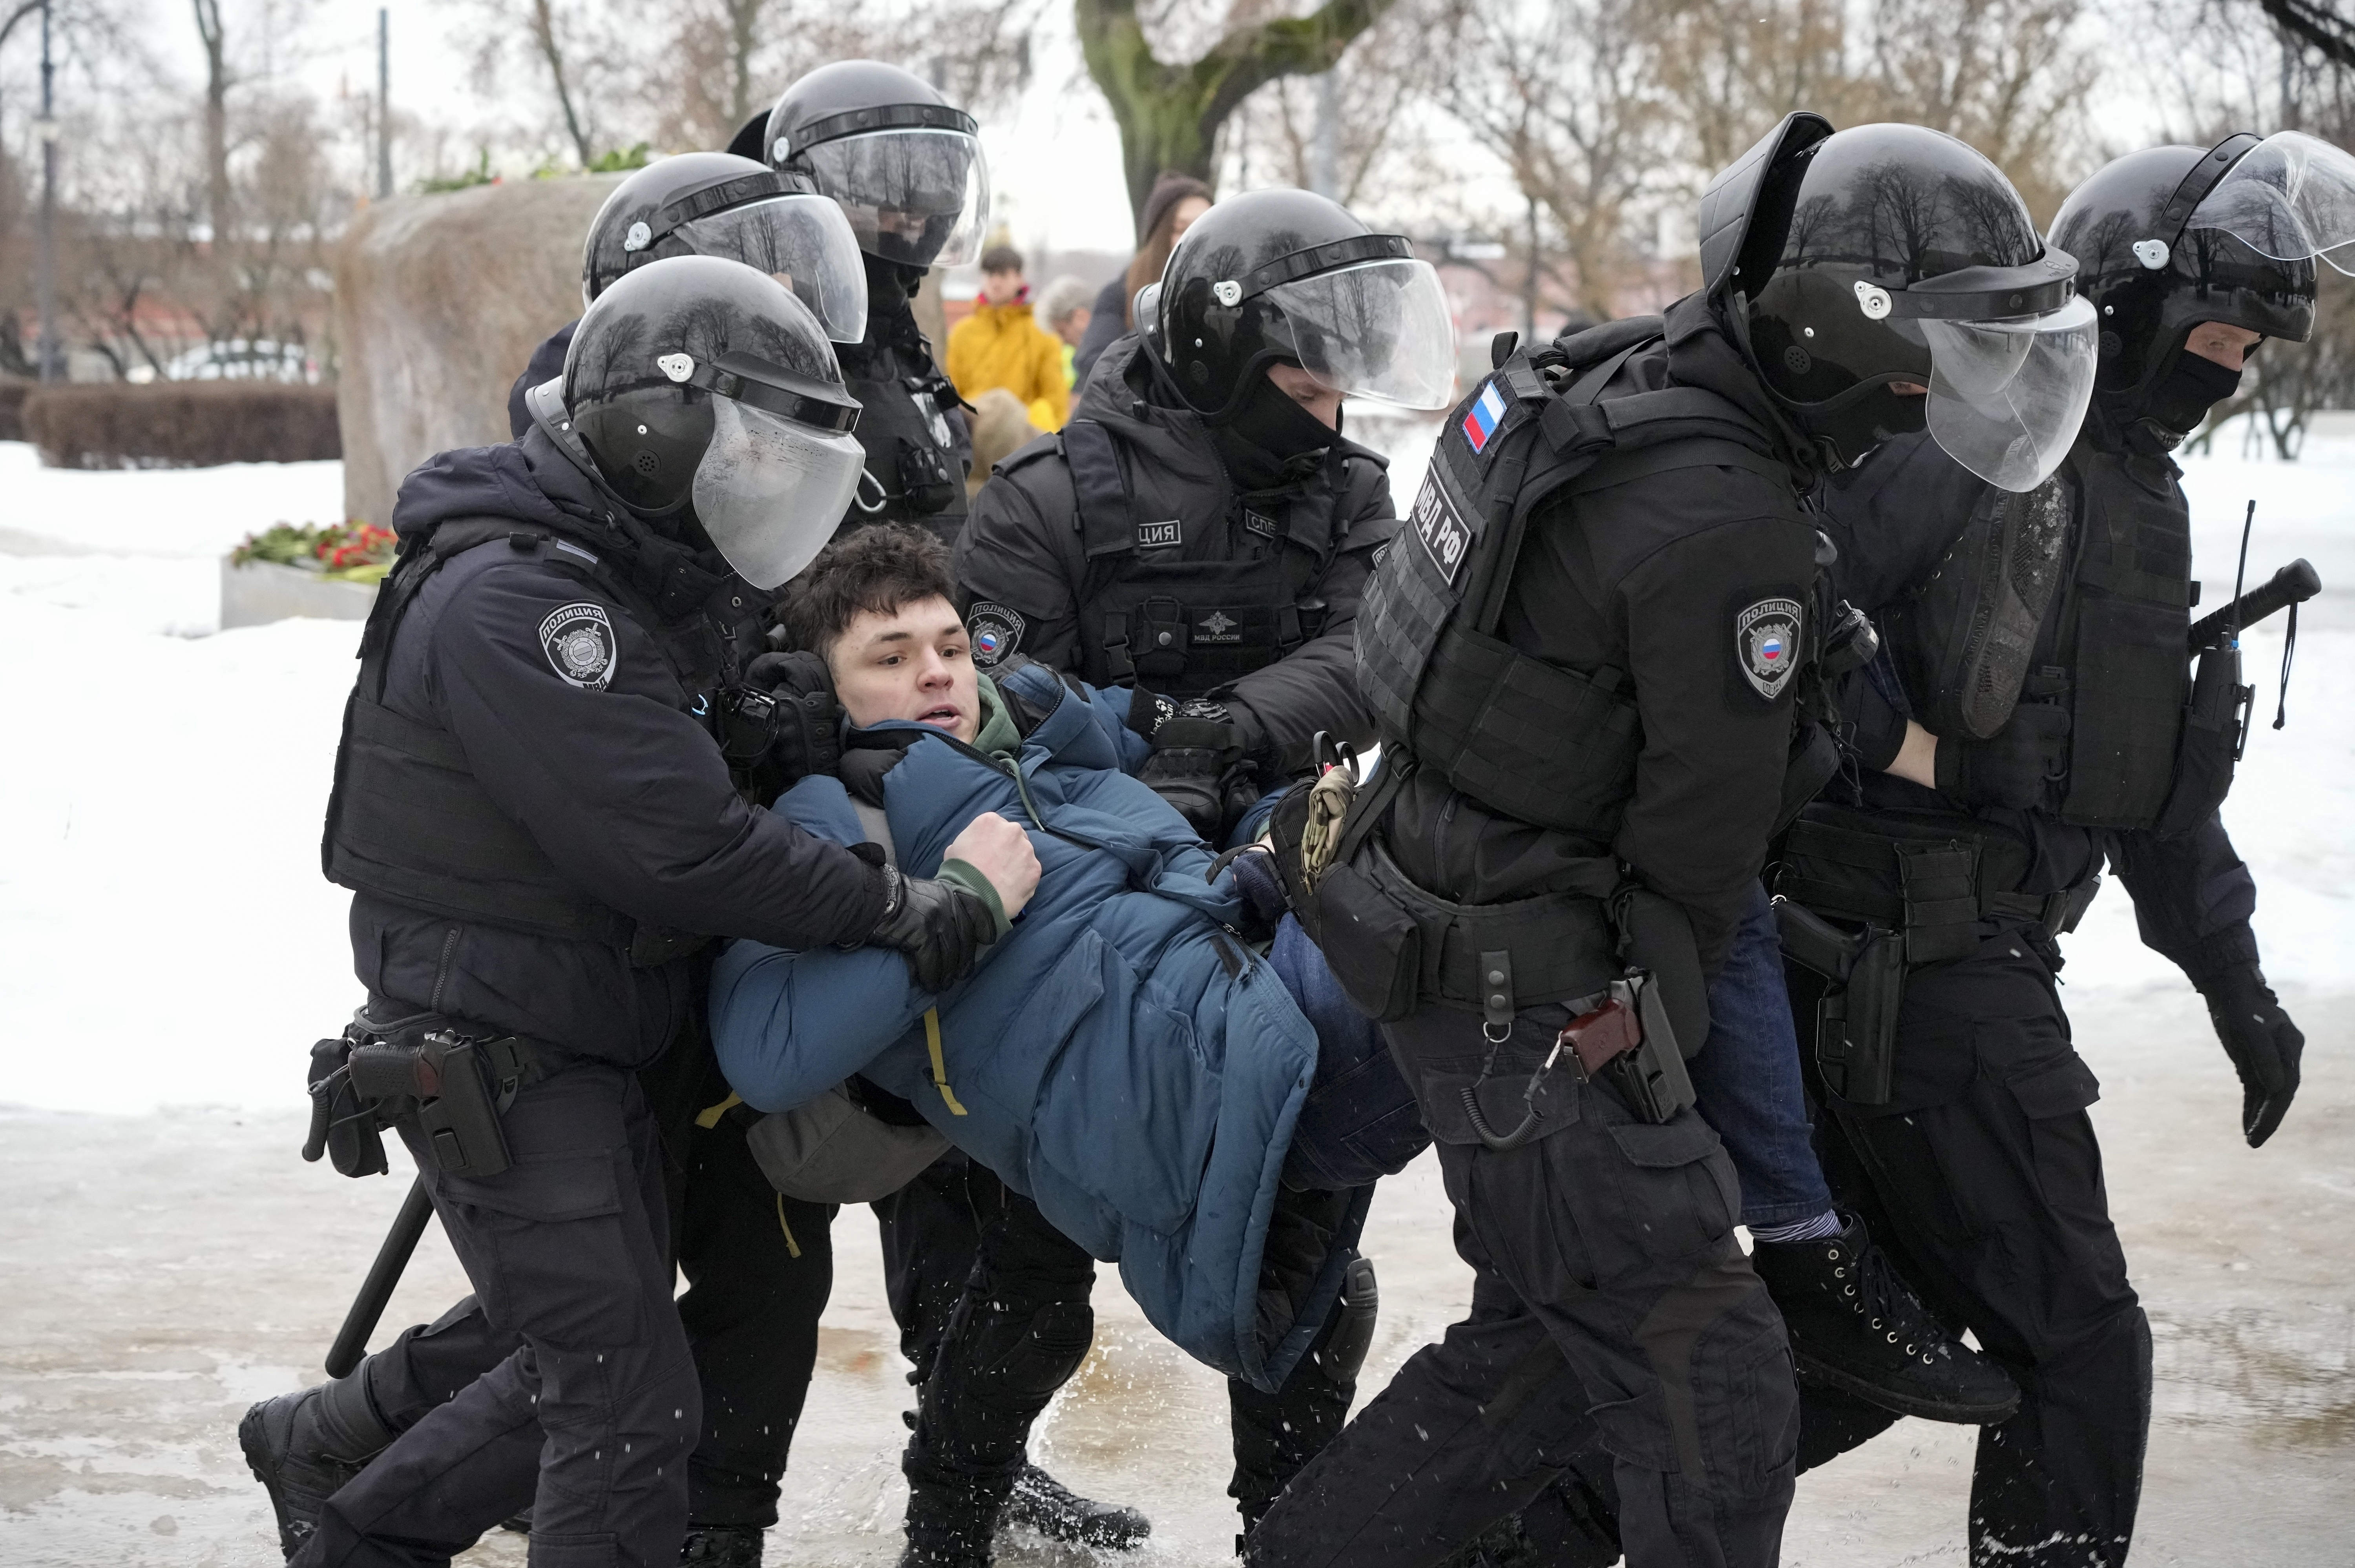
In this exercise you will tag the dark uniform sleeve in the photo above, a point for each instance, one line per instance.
(2192, 898)
(624, 792)
(1014, 568)
(1710, 773)
(1316, 686)
(1893, 519)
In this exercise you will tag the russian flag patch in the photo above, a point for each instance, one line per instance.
(1488, 413)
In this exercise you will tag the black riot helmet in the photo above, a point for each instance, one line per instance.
(1283, 276)
(2171, 237)
(709, 204)
(705, 395)
(1847, 263)
(906, 167)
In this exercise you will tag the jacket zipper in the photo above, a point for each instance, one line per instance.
(441, 969)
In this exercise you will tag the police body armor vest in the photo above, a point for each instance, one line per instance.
(913, 474)
(1180, 628)
(407, 820)
(1530, 739)
(2012, 613)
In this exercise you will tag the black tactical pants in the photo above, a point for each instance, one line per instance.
(1019, 1327)
(1611, 1306)
(589, 1421)
(759, 1268)
(1984, 1178)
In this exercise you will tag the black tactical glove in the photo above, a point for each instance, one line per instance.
(938, 925)
(2012, 768)
(784, 724)
(2264, 1044)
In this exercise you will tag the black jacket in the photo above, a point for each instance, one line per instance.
(1650, 576)
(1893, 520)
(1021, 549)
(616, 779)
(1107, 324)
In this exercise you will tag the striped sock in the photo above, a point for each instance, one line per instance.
(1822, 1225)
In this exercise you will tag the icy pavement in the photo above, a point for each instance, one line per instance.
(167, 950)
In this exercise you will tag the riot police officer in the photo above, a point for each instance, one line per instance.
(759, 1267)
(1584, 651)
(540, 830)
(2037, 716)
(1201, 529)
(907, 169)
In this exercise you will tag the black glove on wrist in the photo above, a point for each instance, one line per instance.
(1192, 751)
(937, 925)
(2264, 1044)
(2010, 768)
(783, 723)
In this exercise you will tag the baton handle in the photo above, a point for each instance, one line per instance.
(376, 1291)
(2294, 584)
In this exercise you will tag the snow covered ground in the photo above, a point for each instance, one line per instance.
(167, 950)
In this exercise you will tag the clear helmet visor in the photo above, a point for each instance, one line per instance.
(2007, 396)
(919, 196)
(2291, 198)
(769, 491)
(803, 241)
(1378, 329)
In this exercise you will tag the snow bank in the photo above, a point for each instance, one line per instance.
(166, 936)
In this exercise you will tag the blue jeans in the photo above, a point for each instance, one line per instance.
(1746, 1079)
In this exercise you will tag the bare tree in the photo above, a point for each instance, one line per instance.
(215, 38)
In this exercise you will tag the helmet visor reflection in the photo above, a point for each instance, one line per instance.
(803, 241)
(1378, 329)
(2290, 197)
(769, 491)
(2007, 396)
(919, 196)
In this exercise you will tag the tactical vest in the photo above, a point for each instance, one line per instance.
(2016, 609)
(407, 820)
(913, 474)
(1550, 746)
(1181, 628)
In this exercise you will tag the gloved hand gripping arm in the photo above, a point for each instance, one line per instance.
(942, 923)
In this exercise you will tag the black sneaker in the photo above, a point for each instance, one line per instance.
(1054, 1510)
(722, 1546)
(1857, 1325)
(298, 1478)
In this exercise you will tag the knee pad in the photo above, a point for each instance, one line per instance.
(1353, 1322)
(1030, 1357)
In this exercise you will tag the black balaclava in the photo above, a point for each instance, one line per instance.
(2181, 398)
(1271, 442)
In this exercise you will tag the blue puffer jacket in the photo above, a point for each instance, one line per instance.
(1119, 1056)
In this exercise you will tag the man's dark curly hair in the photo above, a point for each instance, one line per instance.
(876, 569)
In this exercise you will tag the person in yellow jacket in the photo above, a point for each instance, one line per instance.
(1000, 345)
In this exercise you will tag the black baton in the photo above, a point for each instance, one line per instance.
(2294, 584)
(351, 1340)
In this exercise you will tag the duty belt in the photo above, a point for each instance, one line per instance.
(1933, 882)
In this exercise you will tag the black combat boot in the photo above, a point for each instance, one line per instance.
(1054, 1510)
(950, 1523)
(1857, 1325)
(721, 1546)
(304, 1446)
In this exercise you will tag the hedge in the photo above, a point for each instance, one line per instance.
(180, 424)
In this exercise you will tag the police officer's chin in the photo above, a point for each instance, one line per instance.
(1847, 430)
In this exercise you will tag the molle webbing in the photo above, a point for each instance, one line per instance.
(1532, 740)
(1934, 879)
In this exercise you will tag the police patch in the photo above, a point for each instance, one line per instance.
(1160, 536)
(996, 631)
(1442, 530)
(1259, 523)
(1766, 644)
(578, 642)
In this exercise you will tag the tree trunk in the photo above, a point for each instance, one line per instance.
(218, 202)
(1169, 115)
(743, 39)
(543, 35)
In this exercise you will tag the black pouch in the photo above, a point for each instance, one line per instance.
(344, 1126)
(2215, 724)
(450, 1084)
(1373, 944)
(1855, 1023)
